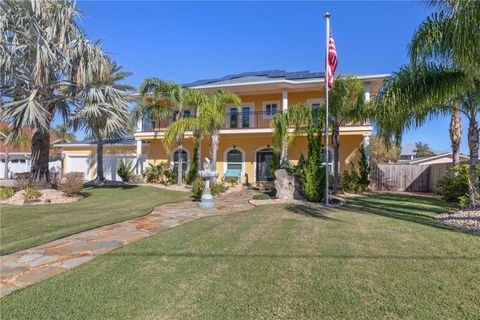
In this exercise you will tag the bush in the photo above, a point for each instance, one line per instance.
(125, 170)
(170, 177)
(453, 187)
(192, 172)
(22, 180)
(31, 194)
(154, 173)
(72, 184)
(197, 188)
(6, 192)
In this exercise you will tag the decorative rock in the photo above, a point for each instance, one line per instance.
(287, 186)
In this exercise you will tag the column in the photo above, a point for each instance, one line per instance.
(367, 92)
(284, 99)
(366, 146)
(139, 166)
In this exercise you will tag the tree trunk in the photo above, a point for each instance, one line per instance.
(100, 174)
(455, 133)
(214, 148)
(336, 147)
(473, 145)
(40, 174)
(5, 171)
(180, 166)
(284, 153)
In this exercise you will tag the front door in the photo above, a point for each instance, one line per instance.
(264, 158)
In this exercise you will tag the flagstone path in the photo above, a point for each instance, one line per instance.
(22, 268)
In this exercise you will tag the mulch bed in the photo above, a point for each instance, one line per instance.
(468, 220)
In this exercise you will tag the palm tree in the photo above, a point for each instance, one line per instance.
(63, 133)
(15, 141)
(289, 124)
(104, 113)
(347, 99)
(159, 98)
(40, 46)
(444, 69)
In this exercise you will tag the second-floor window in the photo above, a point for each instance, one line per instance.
(271, 109)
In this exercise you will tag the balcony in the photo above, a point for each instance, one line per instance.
(233, 120)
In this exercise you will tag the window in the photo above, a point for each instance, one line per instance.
(330, 158)
(184, 160)
(234, 159)
(233, 117)
(271, 109)
(245, 117)
(187, 113)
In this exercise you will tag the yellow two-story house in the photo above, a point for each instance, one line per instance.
(246, 139)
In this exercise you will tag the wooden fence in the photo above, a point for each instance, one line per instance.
(407, 177)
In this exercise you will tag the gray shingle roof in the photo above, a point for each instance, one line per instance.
(259, 76)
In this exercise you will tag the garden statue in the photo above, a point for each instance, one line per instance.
(207, 174)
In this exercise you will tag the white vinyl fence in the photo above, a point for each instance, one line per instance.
(21, 165)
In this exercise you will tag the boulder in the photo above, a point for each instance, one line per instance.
(287, 186)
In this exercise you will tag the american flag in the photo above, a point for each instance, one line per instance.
(332, 61)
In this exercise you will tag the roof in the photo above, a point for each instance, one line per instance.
(118, 142)
(27, 148)
(438, 156)
(269, 76)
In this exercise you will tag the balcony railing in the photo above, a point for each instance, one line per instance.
(233, 120)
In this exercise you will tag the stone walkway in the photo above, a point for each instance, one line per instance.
(22, 268)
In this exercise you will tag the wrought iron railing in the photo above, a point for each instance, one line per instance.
(233, 120)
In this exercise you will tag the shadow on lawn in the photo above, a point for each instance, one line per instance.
(286, 256)
(310, 212)
(406, 208)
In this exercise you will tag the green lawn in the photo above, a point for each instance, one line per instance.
(378, 257)
(27, 226)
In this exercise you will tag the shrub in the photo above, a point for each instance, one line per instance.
(192, 172)
(72, 184)
(31, 194)
(197, 188)
(22, 180)
(218, 188)
(453, 187)
(154, 173)
(261, 196)
(6, 192)
(125, 170)
(363, 170)
(170, 176)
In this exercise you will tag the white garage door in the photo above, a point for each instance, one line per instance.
(80, 163)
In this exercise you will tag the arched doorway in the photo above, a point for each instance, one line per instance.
(263, 160)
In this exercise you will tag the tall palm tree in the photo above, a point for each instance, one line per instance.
(347, 99)
(104, 113)
(160, 98)
(10, 140)
(445, 66)
(40, 42)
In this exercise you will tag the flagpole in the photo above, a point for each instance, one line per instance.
(327, 20)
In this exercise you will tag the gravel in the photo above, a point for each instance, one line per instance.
(49, 196)
(468, 220)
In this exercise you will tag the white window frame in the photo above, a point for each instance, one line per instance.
(172, 157)
(265, 103)
(225, 154)
(250, 105)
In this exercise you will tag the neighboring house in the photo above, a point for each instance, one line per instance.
(408, 152)
(19, 158)
(246, 139)
(439, 158)
(80, 156)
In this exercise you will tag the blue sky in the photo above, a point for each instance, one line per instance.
(187, 41)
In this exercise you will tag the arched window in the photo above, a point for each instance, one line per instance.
(184, 160)
(234, 159)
